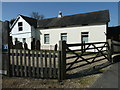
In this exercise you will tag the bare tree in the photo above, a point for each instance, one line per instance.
(36, 15)
(12, 21)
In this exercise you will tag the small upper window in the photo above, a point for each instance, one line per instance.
(20, 26)
(19, 23)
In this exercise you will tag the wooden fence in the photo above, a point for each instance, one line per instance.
(55, 64)
(40, 64)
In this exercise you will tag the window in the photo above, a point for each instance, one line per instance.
(46, 38)
(84, 36)
(19, 23)
(24, 40)
(20, 26)
(64, 36)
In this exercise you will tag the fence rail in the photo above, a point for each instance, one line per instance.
(41, 64)
(78, 54)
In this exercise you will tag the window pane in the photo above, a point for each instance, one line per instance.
(19, 23)
(20, 28)
(85, 39)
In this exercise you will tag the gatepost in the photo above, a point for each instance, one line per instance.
(62, 61)
(110, 50)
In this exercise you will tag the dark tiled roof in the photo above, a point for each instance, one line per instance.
(114, 30)
(77, 19)
(31, 21)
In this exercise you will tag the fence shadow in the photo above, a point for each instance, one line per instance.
(94, 70)
(90, 71)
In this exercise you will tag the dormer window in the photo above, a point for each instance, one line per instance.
(20, 26)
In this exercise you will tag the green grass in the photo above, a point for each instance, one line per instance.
(102, 70)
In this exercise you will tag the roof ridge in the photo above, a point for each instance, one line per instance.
(88, 12)
(76, 14)
(101, 16)
(28, 17)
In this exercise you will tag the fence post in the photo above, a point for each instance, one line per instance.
(6, 43)
(110, 50)
(62, 61)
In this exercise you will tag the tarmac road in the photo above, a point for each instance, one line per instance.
(109, 79)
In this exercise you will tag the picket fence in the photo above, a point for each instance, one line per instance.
(39, 64)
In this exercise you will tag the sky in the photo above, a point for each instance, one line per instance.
(119, 13)
(11, 10)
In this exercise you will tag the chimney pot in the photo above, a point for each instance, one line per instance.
(60, 14)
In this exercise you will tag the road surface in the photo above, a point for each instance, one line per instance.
(109, 79)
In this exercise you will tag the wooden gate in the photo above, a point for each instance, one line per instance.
(97, 50)
(30, 63)
(89, 53)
